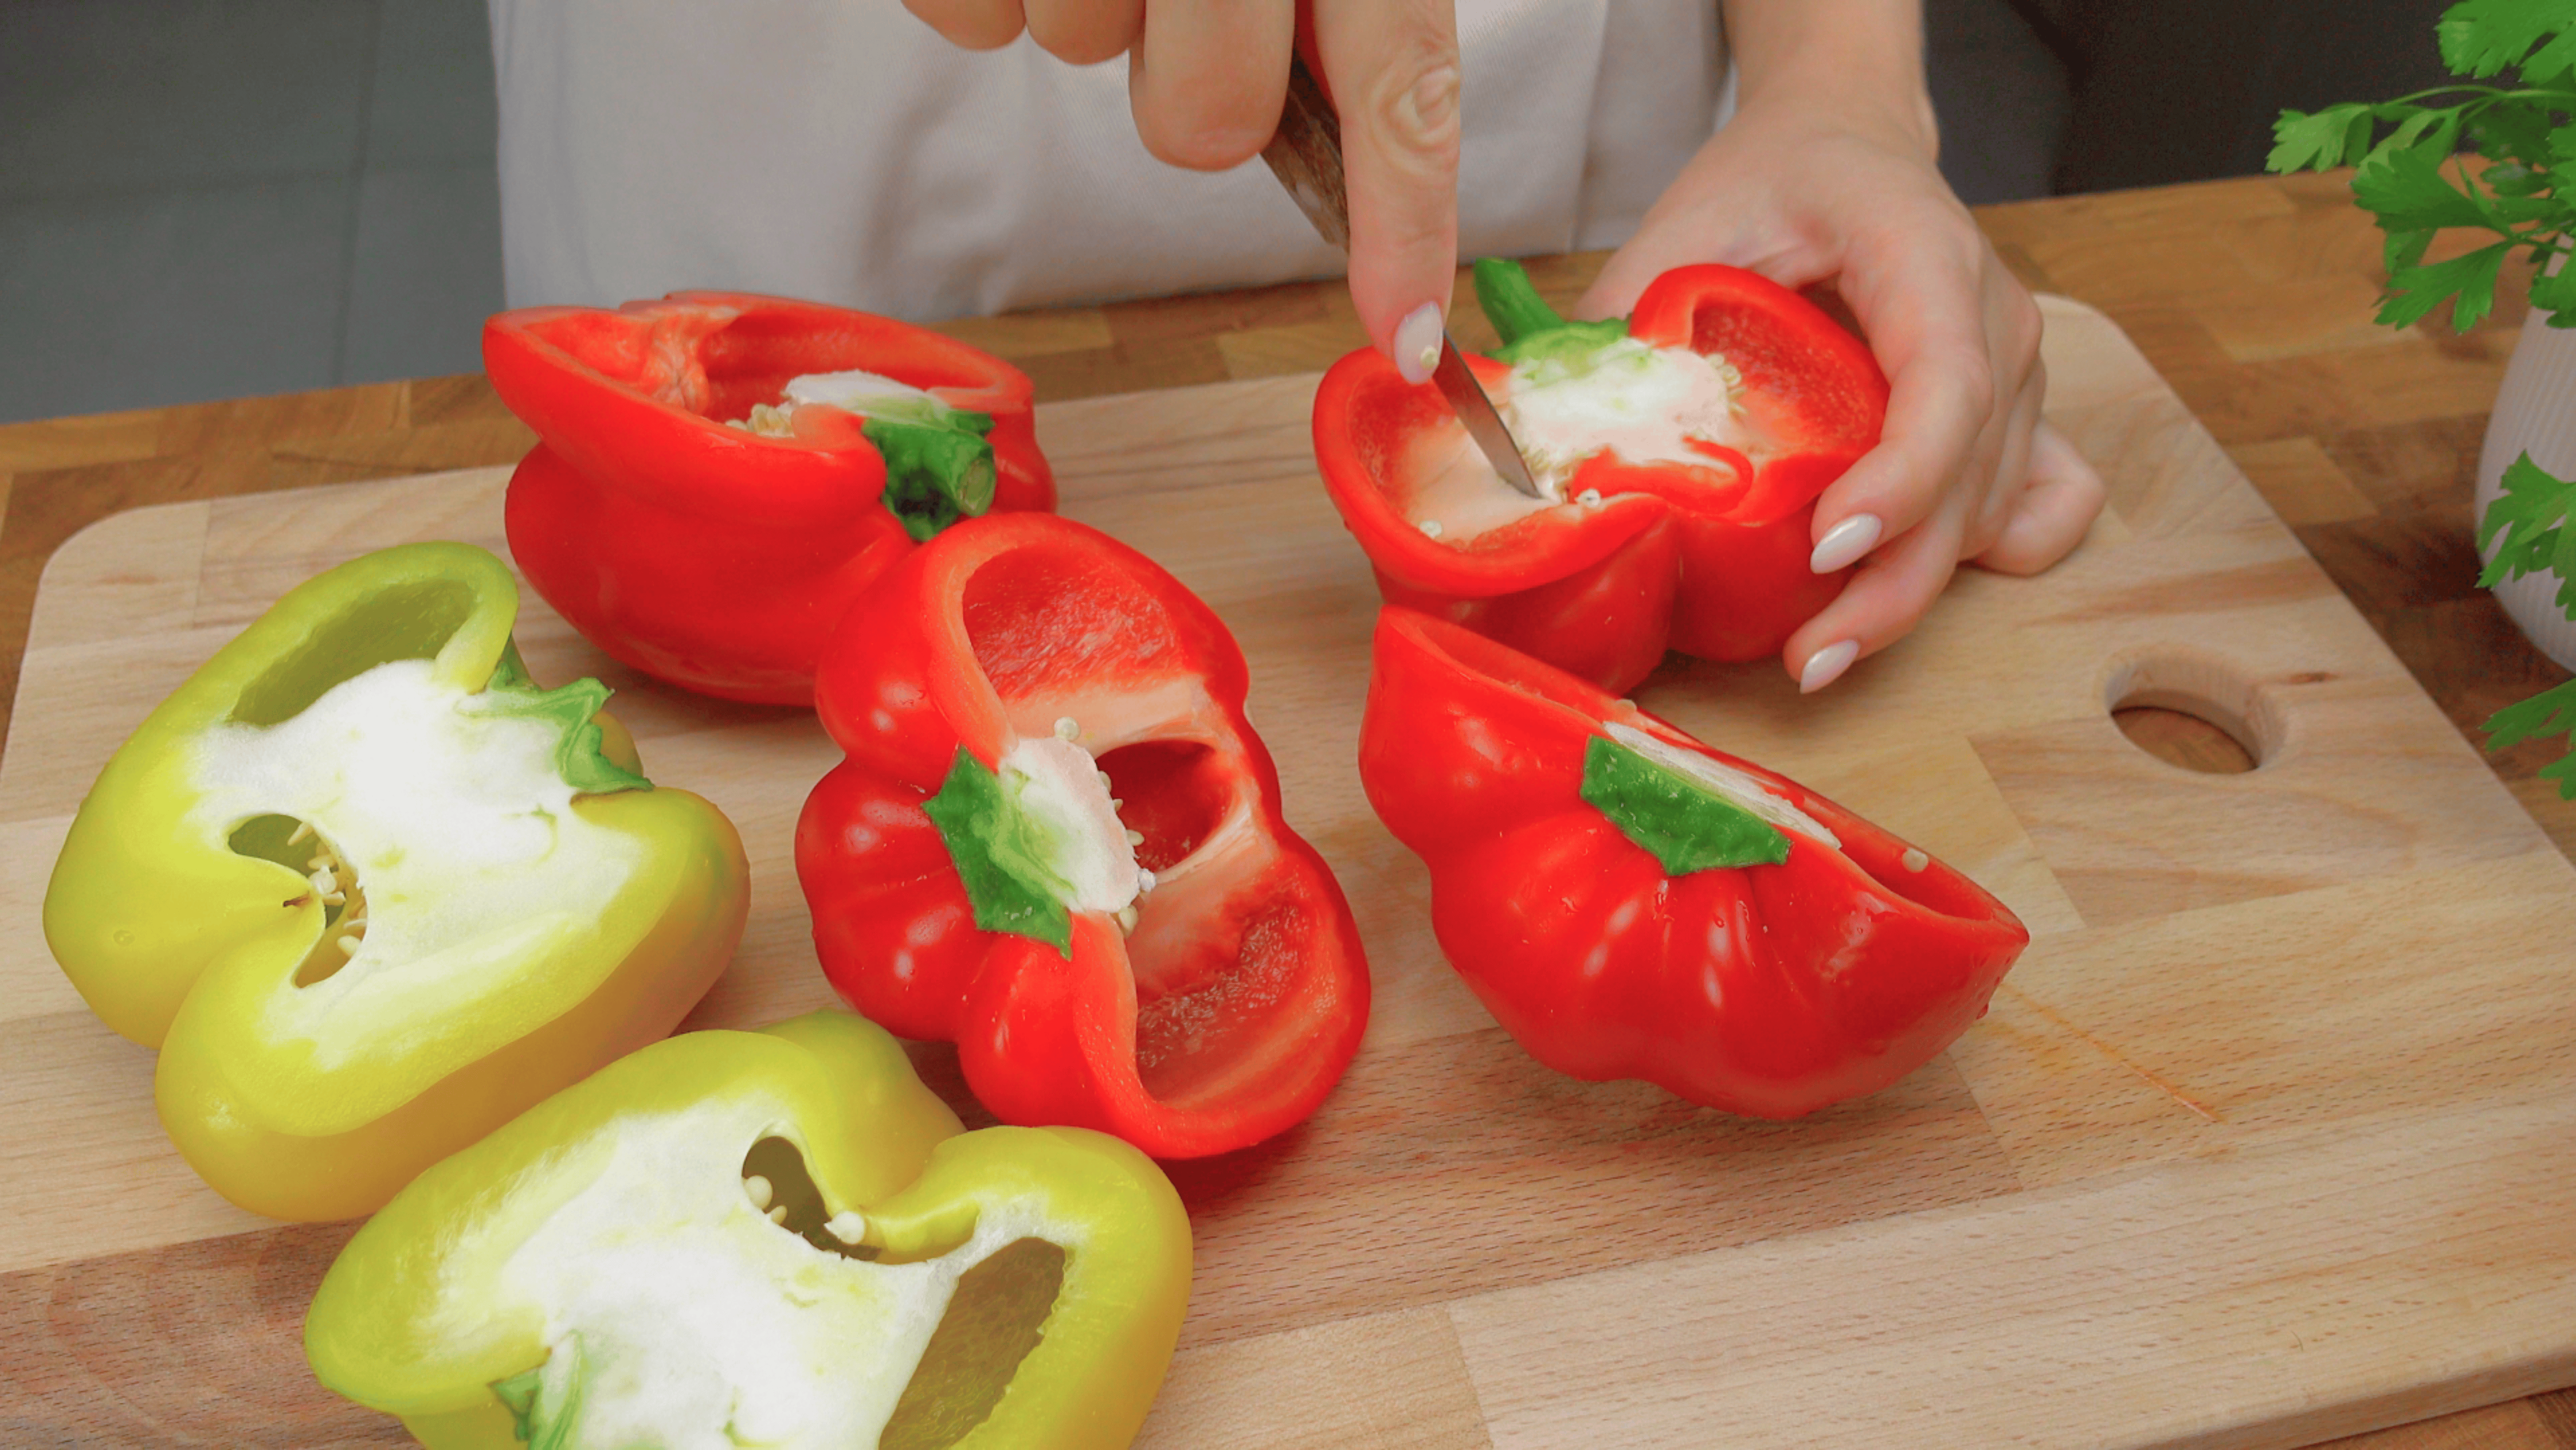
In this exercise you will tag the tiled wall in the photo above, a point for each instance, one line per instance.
(211, 198)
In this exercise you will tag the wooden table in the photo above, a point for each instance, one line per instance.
(2253, 298)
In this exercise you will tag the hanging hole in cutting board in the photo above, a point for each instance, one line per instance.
(2193, 710)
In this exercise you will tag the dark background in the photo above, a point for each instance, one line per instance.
(2180, 90)
(217, 198)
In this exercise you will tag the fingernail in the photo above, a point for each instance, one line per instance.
(1827, 665)
(1417, 343)
(1844, 543)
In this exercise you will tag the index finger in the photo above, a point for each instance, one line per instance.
(1207, 81)
(1393, 69)
(973, 24)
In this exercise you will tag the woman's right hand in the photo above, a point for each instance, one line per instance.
(1206, 79)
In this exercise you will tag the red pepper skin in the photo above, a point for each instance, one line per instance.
(1676, 557)
(1239, 999)
(1765, 990)
(704, 555)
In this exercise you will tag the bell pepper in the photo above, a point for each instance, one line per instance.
(720, 473)
(1630, 903)
(763, 1238)
(372, 892)
(1057, 842)
(1682, 451)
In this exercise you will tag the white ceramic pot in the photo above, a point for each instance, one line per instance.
(2535, 412)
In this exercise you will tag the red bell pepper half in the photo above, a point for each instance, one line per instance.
(1696, 540)
(1630, 903)
(1057, 842)
(721, 473)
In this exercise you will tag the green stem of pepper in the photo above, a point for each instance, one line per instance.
(1001, 855)
(1511, 302)
(1684, 825)
(939, 467)
(1528, 326)
(570, 708)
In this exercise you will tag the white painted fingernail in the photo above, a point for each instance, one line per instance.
(1827, 665)
(1844, 543)
(1417, 343)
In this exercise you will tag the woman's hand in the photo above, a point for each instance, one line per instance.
(1827, 173)
(1206, 79)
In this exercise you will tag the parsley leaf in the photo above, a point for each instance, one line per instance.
(2482, 37)
(2445, 125)
(2301, 141)
(2551, 712)
(2470, 277)
(2516, 134)
(2528, 135)
(2531, 515)
(2555, 294)
(2526, 132)
(2406, 189)
(2402, 250)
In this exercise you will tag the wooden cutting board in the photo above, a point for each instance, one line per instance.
(2270, 1136)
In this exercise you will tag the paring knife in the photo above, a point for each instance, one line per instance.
(1306, 156)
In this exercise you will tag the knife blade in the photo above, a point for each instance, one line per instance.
(1306, 156)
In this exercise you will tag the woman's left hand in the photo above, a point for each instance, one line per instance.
(1815, 182)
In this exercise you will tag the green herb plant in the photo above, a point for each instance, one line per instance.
(2410, 176)
(2531, 519)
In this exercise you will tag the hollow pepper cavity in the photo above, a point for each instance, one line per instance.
(763, 1238)
(371, 891)
(719, 474)
(1682, 450)
(1057, 842)
(1630, 903)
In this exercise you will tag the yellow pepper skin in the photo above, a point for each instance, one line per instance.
(607, 1270)
(461, 951)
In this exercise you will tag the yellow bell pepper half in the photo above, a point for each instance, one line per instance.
(372, 893)
(773, 1238)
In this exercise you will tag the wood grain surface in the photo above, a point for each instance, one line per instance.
(2268, 1136)
(1402, 1326)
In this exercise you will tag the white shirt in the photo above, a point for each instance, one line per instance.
(840, 150)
